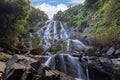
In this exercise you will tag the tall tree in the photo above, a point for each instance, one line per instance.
(13, 16)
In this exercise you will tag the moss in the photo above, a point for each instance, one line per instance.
(37, 51)
(26, 39)
(59, 46)
(55, 48)
(36, 42)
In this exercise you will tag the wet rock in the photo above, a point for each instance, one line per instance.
(116, 68)
(104, 49)
(104, 60)
(100, 68)
(96, 73)
(110, 51)
(37, 68)
(117, 51)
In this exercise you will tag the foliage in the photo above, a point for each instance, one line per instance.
(105, 35)
(13, 16)
(16, 19)
(36, 19)
(36, 42)
(37, 51)
(112, 14)
(102, 17)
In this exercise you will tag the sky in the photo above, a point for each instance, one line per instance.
(51, 7)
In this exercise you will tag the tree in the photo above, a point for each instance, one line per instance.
(13, 16)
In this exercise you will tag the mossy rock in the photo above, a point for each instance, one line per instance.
(37, 41)
(55, 48)
(37, 51)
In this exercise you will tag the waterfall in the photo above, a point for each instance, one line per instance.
(76, 45)
(51, 27)
(53, 30)
(67, 64)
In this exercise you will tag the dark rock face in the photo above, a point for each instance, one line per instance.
(104, 69)
(16, 66)
(98, 74)
(25, 68)
(116, 68)
(16, 74)
(98, 69)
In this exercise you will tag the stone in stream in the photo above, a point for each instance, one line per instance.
(110, 51)
(117, 51)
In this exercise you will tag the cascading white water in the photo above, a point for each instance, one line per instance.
(30, 41)
(76, 45)
(64, 34)
(47, 44)
(55, 30)
(52, 31)
(47, 31)
(67, 64)
(63, 62)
